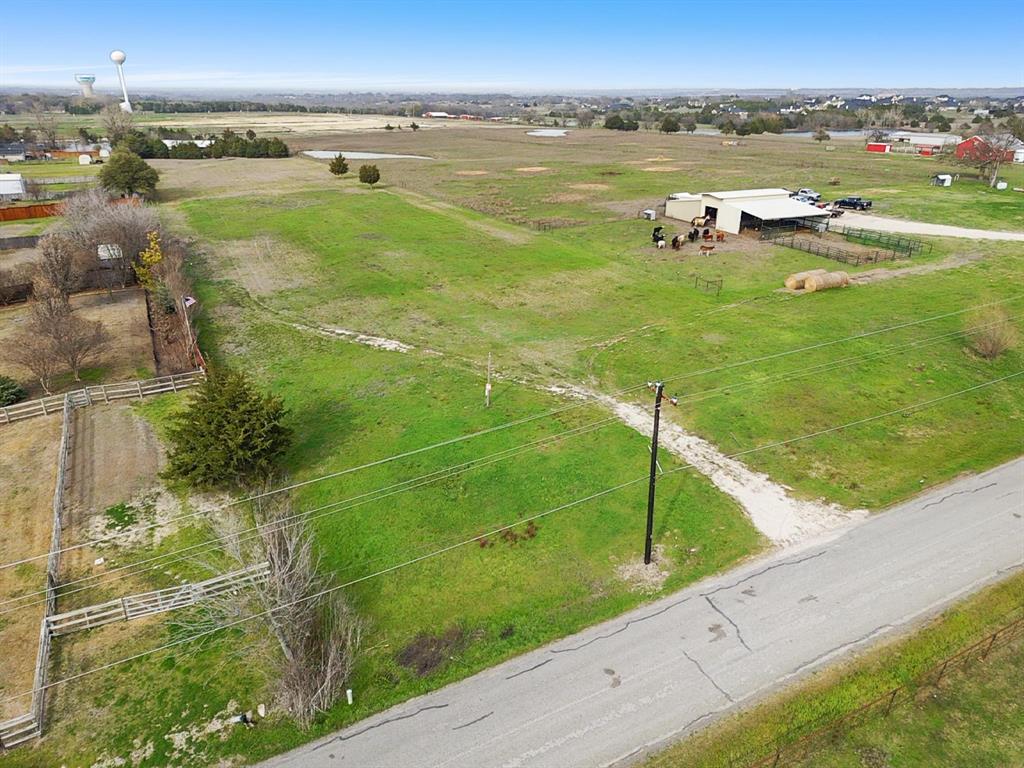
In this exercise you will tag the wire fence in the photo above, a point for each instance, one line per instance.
(835, 253)
(802, 741)
(890, 240)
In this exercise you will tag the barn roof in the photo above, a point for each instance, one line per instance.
(772, 210)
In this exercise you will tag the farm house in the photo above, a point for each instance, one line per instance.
(736, 210)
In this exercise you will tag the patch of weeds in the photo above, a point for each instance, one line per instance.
(428, 652)
(507, 631)
(121, 515)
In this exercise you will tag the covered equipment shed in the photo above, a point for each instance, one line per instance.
(736, 210)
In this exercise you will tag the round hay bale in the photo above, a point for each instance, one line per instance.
(796, 281)
(824, 282)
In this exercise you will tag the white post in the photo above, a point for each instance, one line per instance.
(487, 388)
(348, 696)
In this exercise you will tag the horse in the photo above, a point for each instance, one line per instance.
(706, 249)
(661, 244)
(677, 242)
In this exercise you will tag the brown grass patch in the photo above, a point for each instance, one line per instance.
(596, 187)
(471, 173)
(533, 169)
(661, 169)
(427, 652)
(262, 265)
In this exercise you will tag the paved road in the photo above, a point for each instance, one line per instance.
(610, 693)
(885, 224)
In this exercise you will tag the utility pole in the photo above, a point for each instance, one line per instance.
(487, 388)
(659, 392)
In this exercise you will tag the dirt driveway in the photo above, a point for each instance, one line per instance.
(885, 224)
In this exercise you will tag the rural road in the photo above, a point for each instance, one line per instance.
(612, 692)
(885, 224)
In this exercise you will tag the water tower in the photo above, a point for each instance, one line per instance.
(86, 81)
(118, 58)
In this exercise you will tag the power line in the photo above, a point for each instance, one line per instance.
(514, 423)
(464, 542)
(162, 561)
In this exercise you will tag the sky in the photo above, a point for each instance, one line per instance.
(517, 45)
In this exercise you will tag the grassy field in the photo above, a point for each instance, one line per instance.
(550, 272)
(974, 720)
(45, 169)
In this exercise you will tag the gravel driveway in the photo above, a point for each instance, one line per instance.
(885, 224)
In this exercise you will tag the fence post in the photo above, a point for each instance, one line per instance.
(989, 646)
(43, 401)
(892, 699)
(7, 417)
(174, 387)
(942, 672)
(138, 387)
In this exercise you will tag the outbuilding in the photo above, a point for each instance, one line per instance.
(12, 151)
(736, 210)
(12, 187)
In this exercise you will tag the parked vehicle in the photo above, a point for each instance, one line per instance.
(810, 195)
(856, 202)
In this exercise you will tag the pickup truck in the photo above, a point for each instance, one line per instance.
(806, 195)
(855, 202)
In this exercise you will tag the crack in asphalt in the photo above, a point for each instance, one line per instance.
(764, 571)
(720, 612)
(623, 628)
(956, 493)
(529, 669)
(709, 678)
(473, 722)
(341, 737)
(841, 647)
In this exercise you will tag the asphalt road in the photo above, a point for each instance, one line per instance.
(886, 224)
(617, 690)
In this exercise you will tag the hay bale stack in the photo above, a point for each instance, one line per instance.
(824, 282)
(796, 281)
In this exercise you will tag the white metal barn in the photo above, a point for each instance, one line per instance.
(741, 209)
(12, 187)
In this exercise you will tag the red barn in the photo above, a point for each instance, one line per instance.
(977, 147)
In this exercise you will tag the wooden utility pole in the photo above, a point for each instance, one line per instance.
(659, 391)
(487, 387)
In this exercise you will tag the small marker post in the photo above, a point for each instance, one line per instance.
(487, 387)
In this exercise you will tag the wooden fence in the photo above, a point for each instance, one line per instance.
(159, 601)
(25, 727)
(13, 243)
(101, 393)
(39, 211)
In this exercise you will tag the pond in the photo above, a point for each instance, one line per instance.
(327, 154)
(548, 132)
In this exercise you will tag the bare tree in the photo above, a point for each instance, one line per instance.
(55, 271)
(46, 124)
(116, 122)
(77, 340)
(988, 152)
(34, 189)
(317, 632)
(36, 353)
(92, 219)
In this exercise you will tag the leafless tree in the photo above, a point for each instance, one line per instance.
(116, 122)
(92, 219)
(36, 353)
(34, 189)
(989, 152)
(991, 332)
(46, 124)
(55, 270)
(317, 632)
(585, 118)
(77, 340)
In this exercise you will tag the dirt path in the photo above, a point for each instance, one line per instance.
(950, 262)
(28, 468)
(885, 224)
(781, 518)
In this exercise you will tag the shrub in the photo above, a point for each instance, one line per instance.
(11, 391)
(990, 333)
(369, 174)
(670, 124)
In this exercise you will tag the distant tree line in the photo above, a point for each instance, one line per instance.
(227, 144)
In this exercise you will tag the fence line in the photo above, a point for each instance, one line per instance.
(834, 253)
(13, 243)
(104, 393)
(21, 729)
(157, 601)
(891, 240)
(795, 746)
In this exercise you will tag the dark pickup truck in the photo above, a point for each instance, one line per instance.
(855, 202)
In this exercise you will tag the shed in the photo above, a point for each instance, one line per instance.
(942, 180)
(13, 151)
(736, 210)
(85, 159)
(12, 187)
(878, 146)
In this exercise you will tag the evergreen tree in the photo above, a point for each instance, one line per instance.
(125, 173)
(670, 124)
(231, 434)
(338, 166)
(369, 174)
